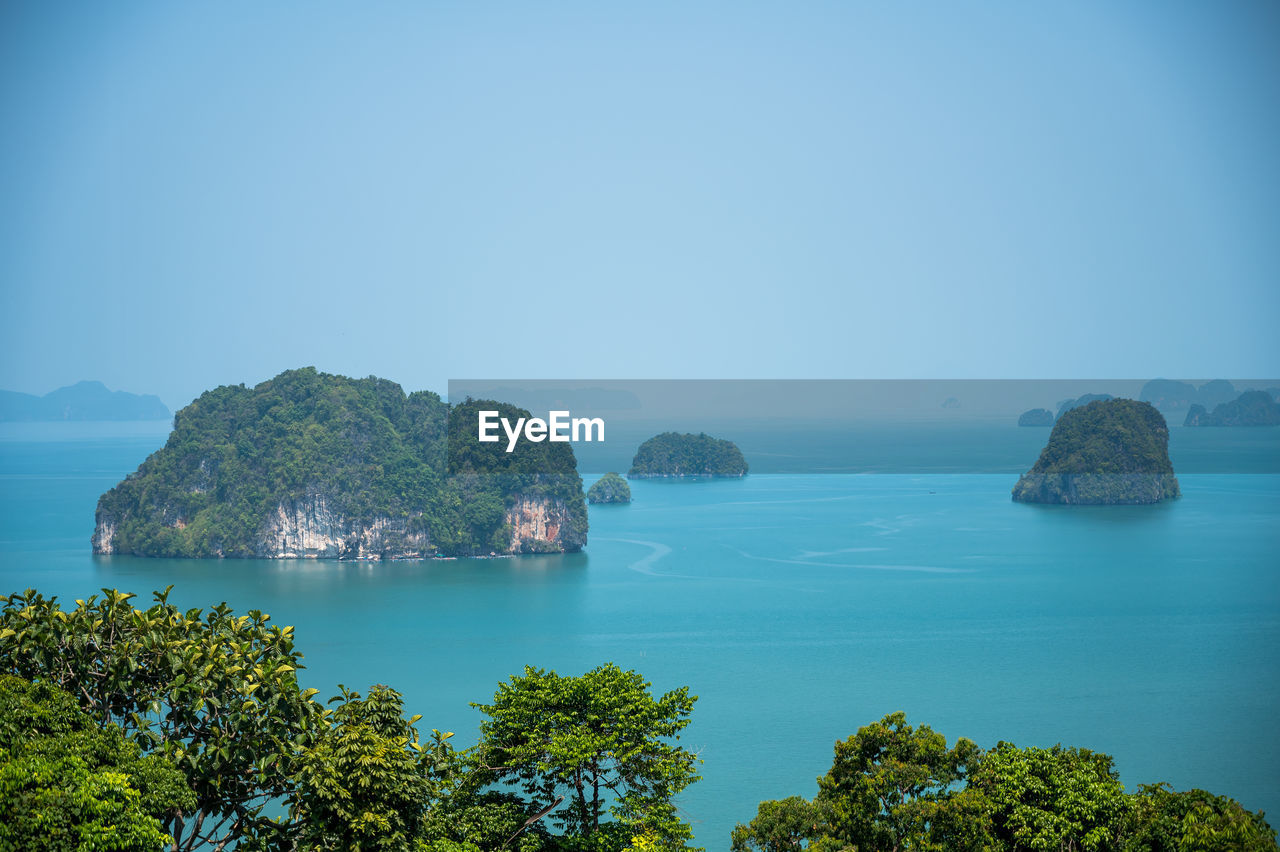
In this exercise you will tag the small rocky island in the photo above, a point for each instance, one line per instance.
(1107, 452)
(1036, 417)
(1068, 404)
(683, 455)
(309, 465)
(609, 488)
(1252, 408)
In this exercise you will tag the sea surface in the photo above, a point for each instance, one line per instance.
(797, 607)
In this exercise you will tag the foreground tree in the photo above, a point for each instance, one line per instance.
(364, 784)
(784, 825)
(892, 787)
(882, 777)
(1163, 820)
(214, 693)
(67, 784)
(1055, 798)
(590, 746)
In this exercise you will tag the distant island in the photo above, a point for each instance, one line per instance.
(1173, 396)
(1252, 408)
(322, 466)
(675, 455)
(1107, 452)
(81, 401)
(609, 488)
(1036, 417)
(1067, 405)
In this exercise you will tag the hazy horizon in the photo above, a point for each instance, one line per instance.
(201, 195)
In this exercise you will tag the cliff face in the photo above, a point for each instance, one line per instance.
(104, 534)
(1096, 489)
(541, 525)
(311, 528)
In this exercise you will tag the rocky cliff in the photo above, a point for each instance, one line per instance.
(309, 528)
(1108, 452)
(541, 525)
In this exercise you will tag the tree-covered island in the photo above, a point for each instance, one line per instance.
(672, 454)
(314, 465)
(609, 488)
(1107, 452)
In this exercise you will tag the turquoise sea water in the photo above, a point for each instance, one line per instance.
(797, 607)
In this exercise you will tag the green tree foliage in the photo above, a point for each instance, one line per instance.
(892, 787)
(216, 694)
(785, 825)
(68, 784)
(237, 454)
(673, 454)
(591, 741)
(609, 488)
(1108, 436)
(120, 725)
(881, 779)
(471, 814)
(1052, 798)
(1163, 820)
(366, 782)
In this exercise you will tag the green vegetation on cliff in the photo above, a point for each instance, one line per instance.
(609, 488)
(673, 454)
(353, 460)
(1106, 452)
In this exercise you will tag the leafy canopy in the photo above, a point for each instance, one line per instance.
(894, 787)
(68, 784)
(214, 693)
(590, 746)
(674, 454)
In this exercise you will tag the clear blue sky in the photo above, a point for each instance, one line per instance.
(205, 193)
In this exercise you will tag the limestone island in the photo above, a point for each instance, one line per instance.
(1107, 452)
(81, 401)
(1068, 404)
(609, 488)
(310, 465)
(1036, 417)
(1252, 408)
(674, 455)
